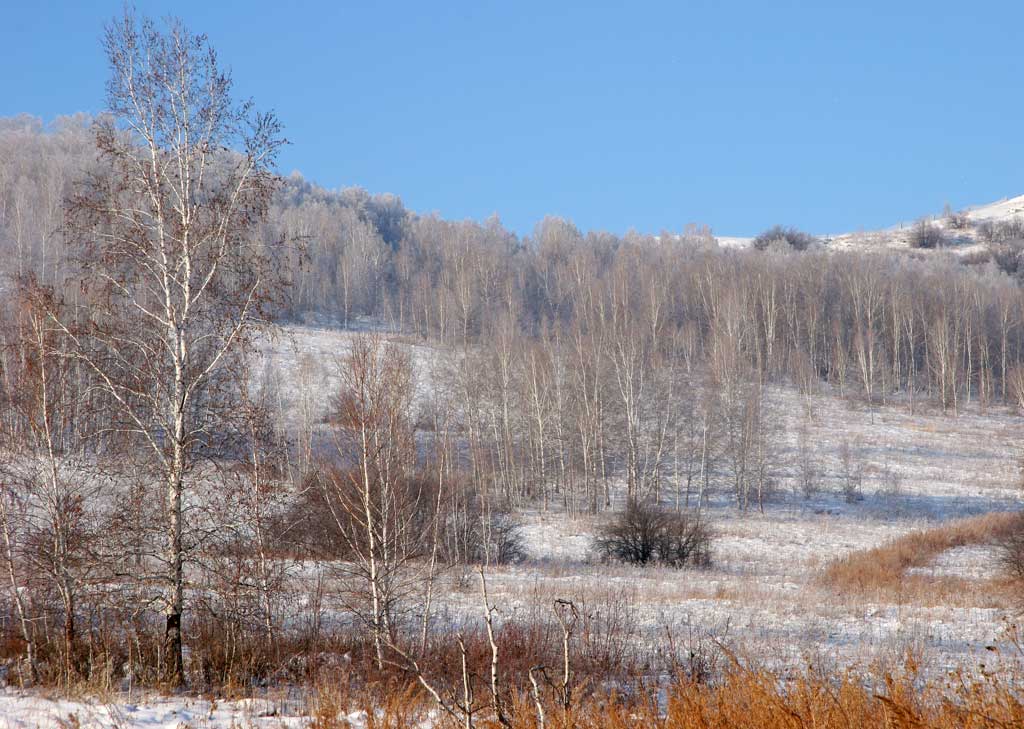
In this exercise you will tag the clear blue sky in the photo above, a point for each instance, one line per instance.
(829, 116)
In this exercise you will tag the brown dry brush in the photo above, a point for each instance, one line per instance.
(743, 699)
(538, 681)
(884, 567)
(605, 687)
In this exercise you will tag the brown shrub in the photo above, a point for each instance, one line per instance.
(1011, 551)
(643, 533)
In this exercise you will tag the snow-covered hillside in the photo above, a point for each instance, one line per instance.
(897, 236)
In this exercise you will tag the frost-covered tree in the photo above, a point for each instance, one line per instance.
(176, 284)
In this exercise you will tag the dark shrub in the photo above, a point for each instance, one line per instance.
(504, 540)
(467, 533)
(795, 239)
(471, 536)
(926, 234)
(1007, 255)
(1000, 231)
(1010, 547)
(645, 534)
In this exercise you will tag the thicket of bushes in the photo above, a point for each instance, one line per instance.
(1010, 546)
(644, 533)
(1000, 231)
(788, 237)
(926, 234)
(467, 532)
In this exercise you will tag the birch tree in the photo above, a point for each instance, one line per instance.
(175, 277)
(380, 511)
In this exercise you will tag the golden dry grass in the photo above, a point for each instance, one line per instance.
(741, 700)
(883, 568)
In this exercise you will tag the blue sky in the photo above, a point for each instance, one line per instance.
(830, 116)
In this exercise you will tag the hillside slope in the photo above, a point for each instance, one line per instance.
(897, 237)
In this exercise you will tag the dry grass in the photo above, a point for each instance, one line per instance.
(743, 699)
(614, 686)
(884, 568)
(390, 706)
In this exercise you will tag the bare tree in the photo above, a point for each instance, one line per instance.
(176, 281)
(851, 471)
(50, 509)
(381, 511)
(808, 470)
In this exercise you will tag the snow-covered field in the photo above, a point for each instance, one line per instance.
(28, 711)
(762, 594)
(762, 597)
(763, 584)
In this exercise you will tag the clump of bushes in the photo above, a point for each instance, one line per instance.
(1000, 231)
(1007, 256)
(644, 534)
(500, 541)
(466, 534)
(474, 535)
(1010, 547)
(956, 220)
(926, 234)
(1005, 239)
(781, 235)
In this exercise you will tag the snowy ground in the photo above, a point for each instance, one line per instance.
(763, 588)
(762, 596)
(27, 711)
(897, 237)
(304, 361)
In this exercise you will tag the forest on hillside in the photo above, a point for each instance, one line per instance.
(944, 328)
(577, 358)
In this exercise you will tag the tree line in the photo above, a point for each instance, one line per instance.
(880, 326)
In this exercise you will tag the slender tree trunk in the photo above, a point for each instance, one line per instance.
(19, 600)
(175, 566)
